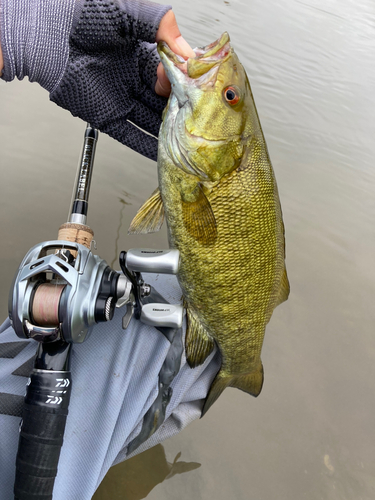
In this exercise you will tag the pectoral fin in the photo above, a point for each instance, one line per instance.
(198, 217)
(251, 383)
(150, 216)
(198, 343)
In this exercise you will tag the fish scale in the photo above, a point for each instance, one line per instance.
(218, 192)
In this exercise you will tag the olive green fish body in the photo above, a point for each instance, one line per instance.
(232, 286)
(220, 200)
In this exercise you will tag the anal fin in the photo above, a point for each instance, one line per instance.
(198, 343)
(284, 289)
(150, 216)
(251, 383)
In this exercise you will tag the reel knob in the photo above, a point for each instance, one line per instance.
(149, 260)
(159, 315)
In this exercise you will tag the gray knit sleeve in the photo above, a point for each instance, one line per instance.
(34, 39)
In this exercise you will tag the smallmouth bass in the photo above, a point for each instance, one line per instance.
(218, 193)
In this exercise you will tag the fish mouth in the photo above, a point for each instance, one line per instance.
(207, 57)
(199, 70)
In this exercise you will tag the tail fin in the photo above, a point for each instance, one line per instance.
(251, 383)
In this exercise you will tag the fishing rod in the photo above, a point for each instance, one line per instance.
(61, 290)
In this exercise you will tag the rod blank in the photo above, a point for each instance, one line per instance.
(79, 210)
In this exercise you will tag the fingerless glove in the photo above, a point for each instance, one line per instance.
(95, 57)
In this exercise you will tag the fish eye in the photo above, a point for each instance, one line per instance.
(231, 95)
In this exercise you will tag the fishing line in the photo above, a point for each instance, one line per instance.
(46, 302)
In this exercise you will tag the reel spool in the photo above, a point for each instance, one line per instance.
(45, 304)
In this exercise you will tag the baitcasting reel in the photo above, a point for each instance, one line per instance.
(62, 290)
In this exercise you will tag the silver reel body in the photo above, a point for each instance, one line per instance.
(77, 302)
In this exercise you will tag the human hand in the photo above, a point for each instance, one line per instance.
(117, 71)
(97, 59)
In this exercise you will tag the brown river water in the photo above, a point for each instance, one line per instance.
(310, 434)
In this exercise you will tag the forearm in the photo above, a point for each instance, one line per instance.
(1, 57)
(34, 39)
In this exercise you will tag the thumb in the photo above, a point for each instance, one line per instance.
(169, 32)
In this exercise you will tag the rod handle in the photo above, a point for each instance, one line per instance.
(41, 434)
(77, 233)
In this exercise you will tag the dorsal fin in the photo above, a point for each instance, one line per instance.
(150, 216)
(198, 218)
(198, 343)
